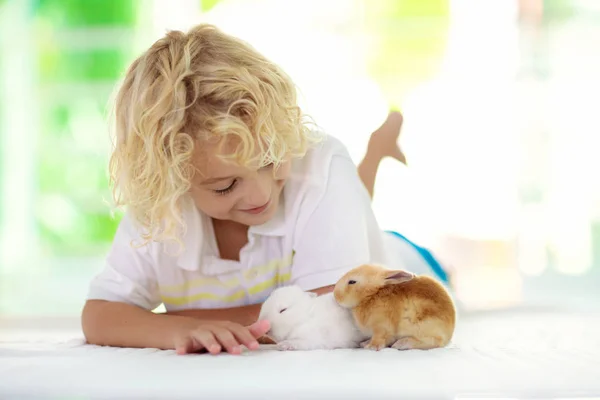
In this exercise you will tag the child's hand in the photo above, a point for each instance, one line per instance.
(214, 336)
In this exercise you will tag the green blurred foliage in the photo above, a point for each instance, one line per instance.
(69, 66)
(558, 10)
(88, 13)
(74, 216)
(409, 43)
(207, 5)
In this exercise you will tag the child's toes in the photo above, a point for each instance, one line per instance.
(397, 153)
(384, 141)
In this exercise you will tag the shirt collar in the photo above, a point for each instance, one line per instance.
(199, 240)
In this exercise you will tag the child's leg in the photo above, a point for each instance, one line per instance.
(383, 143)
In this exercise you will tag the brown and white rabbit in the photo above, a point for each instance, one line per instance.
(397, 308)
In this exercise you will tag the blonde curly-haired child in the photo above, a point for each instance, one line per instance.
(229, 193)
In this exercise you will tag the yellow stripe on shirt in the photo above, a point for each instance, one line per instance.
(279, 278)
(182, 300)
(256, 289)
(274, 281)
(259, 270)
(184, 287)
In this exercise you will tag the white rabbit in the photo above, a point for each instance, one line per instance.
(304, 321)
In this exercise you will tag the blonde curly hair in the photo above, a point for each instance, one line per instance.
(190, 88)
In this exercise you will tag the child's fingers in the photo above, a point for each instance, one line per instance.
(188, 345)
(183, 346)
(207, 339)
(259, 328)
(243, 335)
(226, 338)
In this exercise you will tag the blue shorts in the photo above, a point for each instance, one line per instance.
(415, 258)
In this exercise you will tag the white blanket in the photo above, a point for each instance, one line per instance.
(521, 353)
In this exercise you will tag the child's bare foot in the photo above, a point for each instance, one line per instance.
(384, 141)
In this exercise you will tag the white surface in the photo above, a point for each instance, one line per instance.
(521, 353)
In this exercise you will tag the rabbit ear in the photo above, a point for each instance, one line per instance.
(398, 276)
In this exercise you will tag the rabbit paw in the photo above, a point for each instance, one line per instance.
(405, 343)
(411, 342)
(286, 345)
(374, 345)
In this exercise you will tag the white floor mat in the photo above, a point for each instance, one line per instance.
(520, 353)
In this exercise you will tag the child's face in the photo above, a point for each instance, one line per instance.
(227, 191)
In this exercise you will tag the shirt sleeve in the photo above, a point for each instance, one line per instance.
(340, 234)
(128, 276)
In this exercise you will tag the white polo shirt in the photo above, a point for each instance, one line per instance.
(324, 227)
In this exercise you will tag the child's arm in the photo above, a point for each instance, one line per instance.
(121, 297)
(242, 315)
(124, 325)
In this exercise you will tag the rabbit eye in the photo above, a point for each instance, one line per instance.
(351, 282)
(282, 310)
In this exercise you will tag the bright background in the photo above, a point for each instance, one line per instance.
(500, 100)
